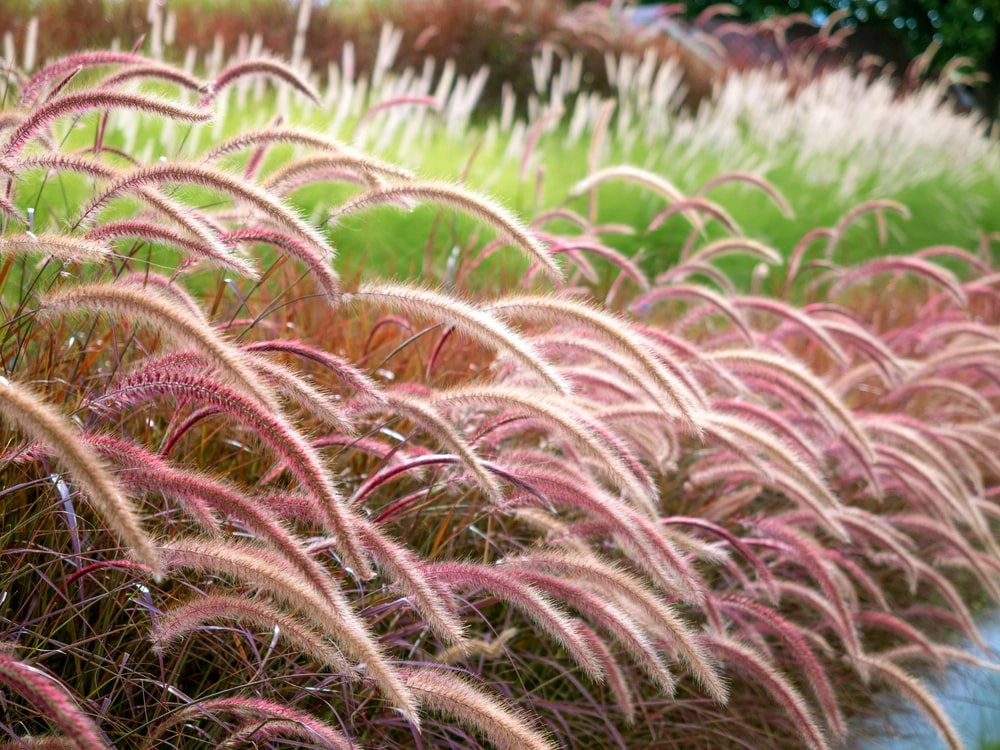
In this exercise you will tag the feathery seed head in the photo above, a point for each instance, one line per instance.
(477, 205)
(42, 422)
(155, 308)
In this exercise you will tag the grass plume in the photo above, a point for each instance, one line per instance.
(50, 698)
(506, 728)
(480, 206)
(42, 422)
(57, 245)
(158, 310)
(470, 320)
(261, 567)
(88, 101)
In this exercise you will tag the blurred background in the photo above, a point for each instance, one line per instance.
(503, 34)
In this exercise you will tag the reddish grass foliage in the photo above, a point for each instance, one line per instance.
(671, 513)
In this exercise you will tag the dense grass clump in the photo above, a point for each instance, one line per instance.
(555, 493)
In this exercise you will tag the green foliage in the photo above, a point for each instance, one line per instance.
(962, 27)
